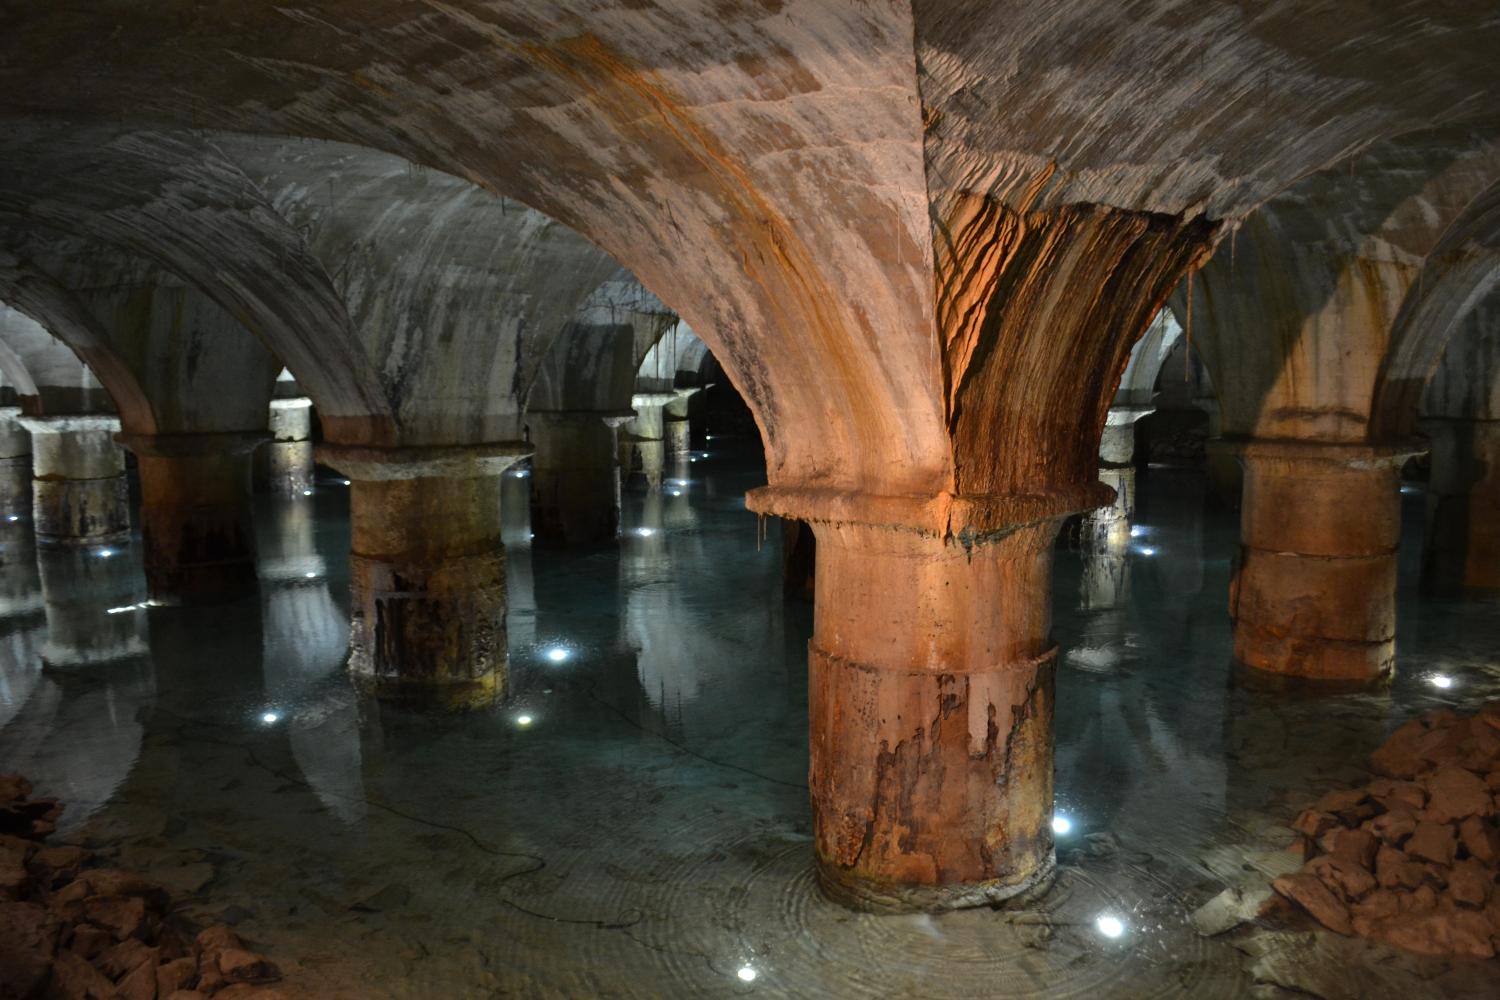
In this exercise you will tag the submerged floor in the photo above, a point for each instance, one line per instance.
(633, 822)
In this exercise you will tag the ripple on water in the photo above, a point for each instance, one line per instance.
(776, 922)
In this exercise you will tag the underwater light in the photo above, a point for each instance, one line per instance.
(310, 574)
(523, 720)
(1139, 531)
(747, 974)
(1110, 926)
(1146, 550)
(1061, 824)
(307, 493)
(104, 553)
(1442, 681)
(645, 532)
(14, 517)
(270, 718)
(557, 654)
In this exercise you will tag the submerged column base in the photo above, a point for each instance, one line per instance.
(1461, 550)
(1313, 598)
(79, 493)
(575, 476)
(427, 572)
(197, 525)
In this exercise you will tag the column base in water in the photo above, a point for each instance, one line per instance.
(930, 696)
(197, 524)
(427, 571)
(1461, 551)
(1313, 598)
(79, 493)
(575, 476)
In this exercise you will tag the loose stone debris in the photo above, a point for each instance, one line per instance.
(70, 930)
(1412, 858)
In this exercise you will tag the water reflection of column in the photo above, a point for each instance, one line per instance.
(520, 583)
(79, 732)
(95, 600)
(676, 424)
(22, 619)
(305, 638)
(1105, 582)
(678, 513)
(15, 467)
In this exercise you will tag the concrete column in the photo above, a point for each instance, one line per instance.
(427, 571)
(284, 465)
(15, 467)
(1226, 484)
(1462, 547)
(931, 698)
(1313, 596)
(79, 493)
(197, 525)
(575, 476)
(676, 426)
(95, 606)
(642, 440)
(1117, 468)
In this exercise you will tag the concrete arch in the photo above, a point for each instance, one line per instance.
(1147, 357)
(1461, 272)
(173, 199)
(456, 294)
(50, 379)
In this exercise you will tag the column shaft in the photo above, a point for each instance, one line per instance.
(285, 463)
(197, 524)
(1462, 546)
(427, 572)
(79, 492)
(931, 699)
(1314, 591)
(643, 445)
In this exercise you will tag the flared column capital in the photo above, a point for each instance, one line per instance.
(189, 446)
(468, 461)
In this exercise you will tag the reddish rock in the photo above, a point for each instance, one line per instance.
(1346, 878)
(1393, 827)
(1434, 842)
(1400, 795)
(1480, 839)
(1420, 900)
(1356, 847)
(1343, 800)
(57, 865)
(1445, 930)
(122, 916)
(178, 974)
(241, 966)
(28, 940)
(1314, 824)
(1309, 892)
(16, 849)
(1470, 883)
(13, 787)
(121, 958)
(14, 880)
(90, 941)
(1454, 793)
(1444, 745)
(217, 938)
(242, 991)
(1394, 870)
(186, 995)
(1398, 757)
(113, 882)
(1378, 905)
(139, 984)
(75, 979)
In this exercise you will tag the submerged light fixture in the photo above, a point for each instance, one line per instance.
(557, 654)
(1110, 925)
(1061, 824)
(747, 973)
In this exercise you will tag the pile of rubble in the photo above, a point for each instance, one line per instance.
(70, 929)
(1412, 858)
